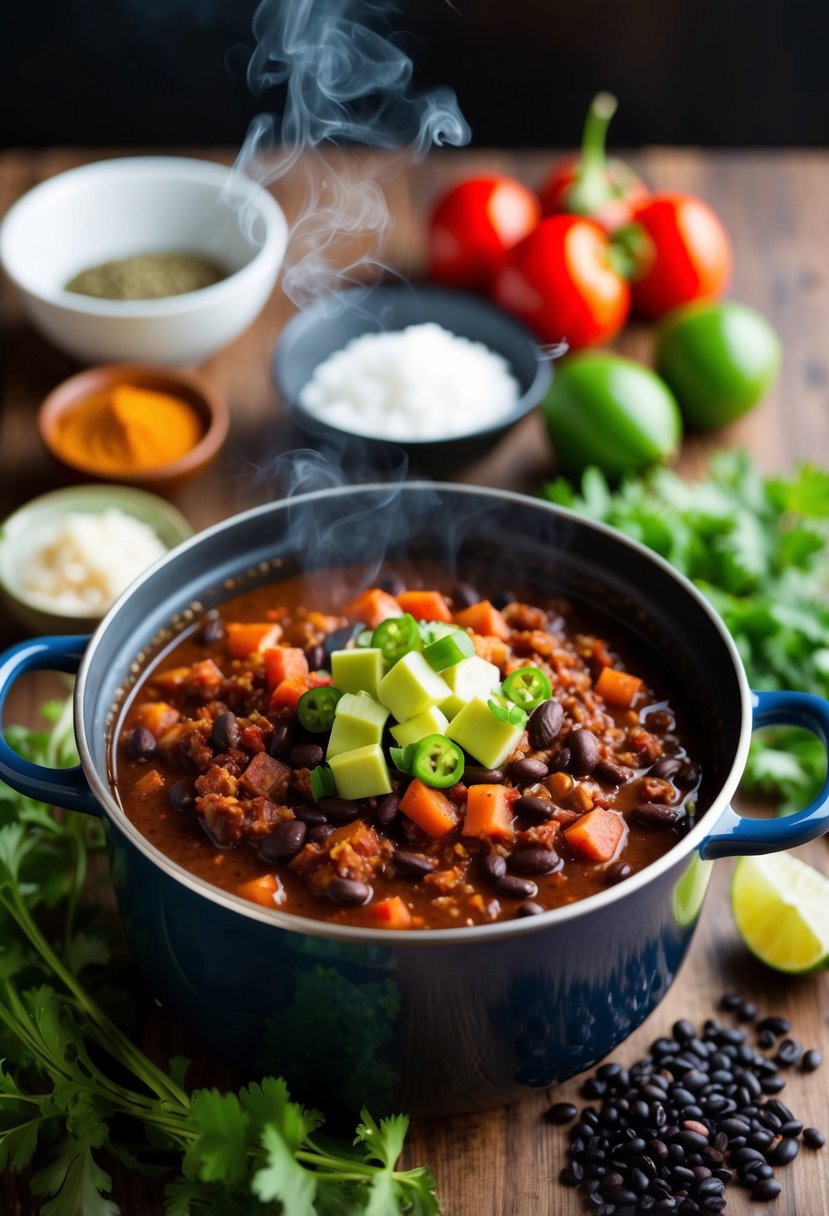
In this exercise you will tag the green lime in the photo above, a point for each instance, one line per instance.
(781, 906)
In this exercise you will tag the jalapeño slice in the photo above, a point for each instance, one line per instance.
(437, 761)
(397, 636)
(527, 687)
(316, 708)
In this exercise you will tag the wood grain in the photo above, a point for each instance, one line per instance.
(505, 1162)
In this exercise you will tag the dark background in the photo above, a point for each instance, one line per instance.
(158, 72)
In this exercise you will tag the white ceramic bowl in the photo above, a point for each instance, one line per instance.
(144, 204)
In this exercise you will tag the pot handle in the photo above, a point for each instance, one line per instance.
(66, 787)
(737, 835)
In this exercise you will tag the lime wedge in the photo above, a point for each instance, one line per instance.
(781, 906)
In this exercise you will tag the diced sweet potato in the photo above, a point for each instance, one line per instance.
(157, 716)
(489, 812)
(483, 618)
(373, 606)
(596, 835)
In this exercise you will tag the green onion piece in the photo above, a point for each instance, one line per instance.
(438, 761)
(363, 638)
(322, 782)
(402, 757)
(316, 708)
(506, 711)
(527, 687)
(397, 636)
(449, 650)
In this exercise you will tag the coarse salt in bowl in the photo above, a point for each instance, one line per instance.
(436, 373)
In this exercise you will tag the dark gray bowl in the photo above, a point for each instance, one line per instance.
(317, 332)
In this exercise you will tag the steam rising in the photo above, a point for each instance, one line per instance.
(341, 79)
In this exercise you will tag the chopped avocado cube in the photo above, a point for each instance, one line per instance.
(472, 677)
(357, 670)
(432, 722)
(361, 772)
(358, 722)
(411, 687)
(480, 733)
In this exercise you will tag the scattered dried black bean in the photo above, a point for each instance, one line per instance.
(811, 1060)
(747, 1011)
(731, 1001)
(777, 1025)
(766, 1188)
(812, 1138)
(561, 1112)
(789, 1052)
(141, 744)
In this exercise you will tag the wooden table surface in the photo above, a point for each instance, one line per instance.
(505, 1162)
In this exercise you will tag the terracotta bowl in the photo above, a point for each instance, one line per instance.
(189, 386)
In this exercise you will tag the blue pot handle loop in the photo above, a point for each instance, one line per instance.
(737, 835)
(66, 787)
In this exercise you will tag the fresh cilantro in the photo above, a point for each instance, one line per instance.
(757, 548)
(73, 1083)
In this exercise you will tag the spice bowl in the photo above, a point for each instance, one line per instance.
(332, 322)
(125, 441)
(37, 523)
(134, 206)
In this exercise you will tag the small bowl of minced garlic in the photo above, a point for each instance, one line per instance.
(156, 259)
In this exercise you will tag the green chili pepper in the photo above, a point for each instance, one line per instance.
(527, 687)
(322, 782)
(396, 636)
(401, 757)
(438, 761)
(449, 650)
(316, 708)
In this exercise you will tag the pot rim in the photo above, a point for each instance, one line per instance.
(472, 934)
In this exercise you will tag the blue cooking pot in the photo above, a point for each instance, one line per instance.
(429, 1022)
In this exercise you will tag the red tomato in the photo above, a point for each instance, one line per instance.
(474, 225)
(560, 282)
(686, 253)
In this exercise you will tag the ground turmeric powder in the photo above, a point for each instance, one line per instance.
(125, 429)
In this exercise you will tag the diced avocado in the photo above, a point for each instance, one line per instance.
(411, 687)
(361, 772)
(432, 722)
(358, 722)
(473, 677)
(357, 670)
(480, 733)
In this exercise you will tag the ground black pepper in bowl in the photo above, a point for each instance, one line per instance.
(697, 1113)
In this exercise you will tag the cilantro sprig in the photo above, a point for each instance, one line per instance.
(75, 1088)
(757, 548)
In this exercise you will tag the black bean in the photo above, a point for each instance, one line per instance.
(534, 860)
(282, 739)
(339, 810)
(792, 1127)
(544, 724)
(310, 815)
(813, 1138)
(527, 771)
(528, 908)
(494, 865)
(691, 1141)
(610, 773)
(593, 1087)
(762, 1139)
(387, 810)
(618, 872)
(319, 833)
(688, 775)
(789, 1052)
(225, 735)
(780, 1110)
(180, 795)
(464, 595)
(306, 755)
(766, 1188)
(316, 656)
(284, 842)
(348, 892)
(742, 1156)
(734, 1126)
(537, 810)
(777, 1025)
(683, 1030)
(784, 1151)
(515, 887)
(655, 815)
(730, 1001)
(413, 865)
(747, 1011)
(392, 582)
(584, 751)
(765, 1038)
(476, 774)
(141, 743)
(568, 1176)
(772, 1085)
(561, 1112)
(665, 768)
(210, 629)
(811, 1060)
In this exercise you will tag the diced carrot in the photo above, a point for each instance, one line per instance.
(259, 890)
(483, 618)
(489, 812)
(149, 784)
(246, 637)
(428, 808)
(596, 835)
(284, 662)
(172, 680)
(390, 913)
(425, 605)
(373, 606)
(157, 716)
(287, 693)
(617, 688)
